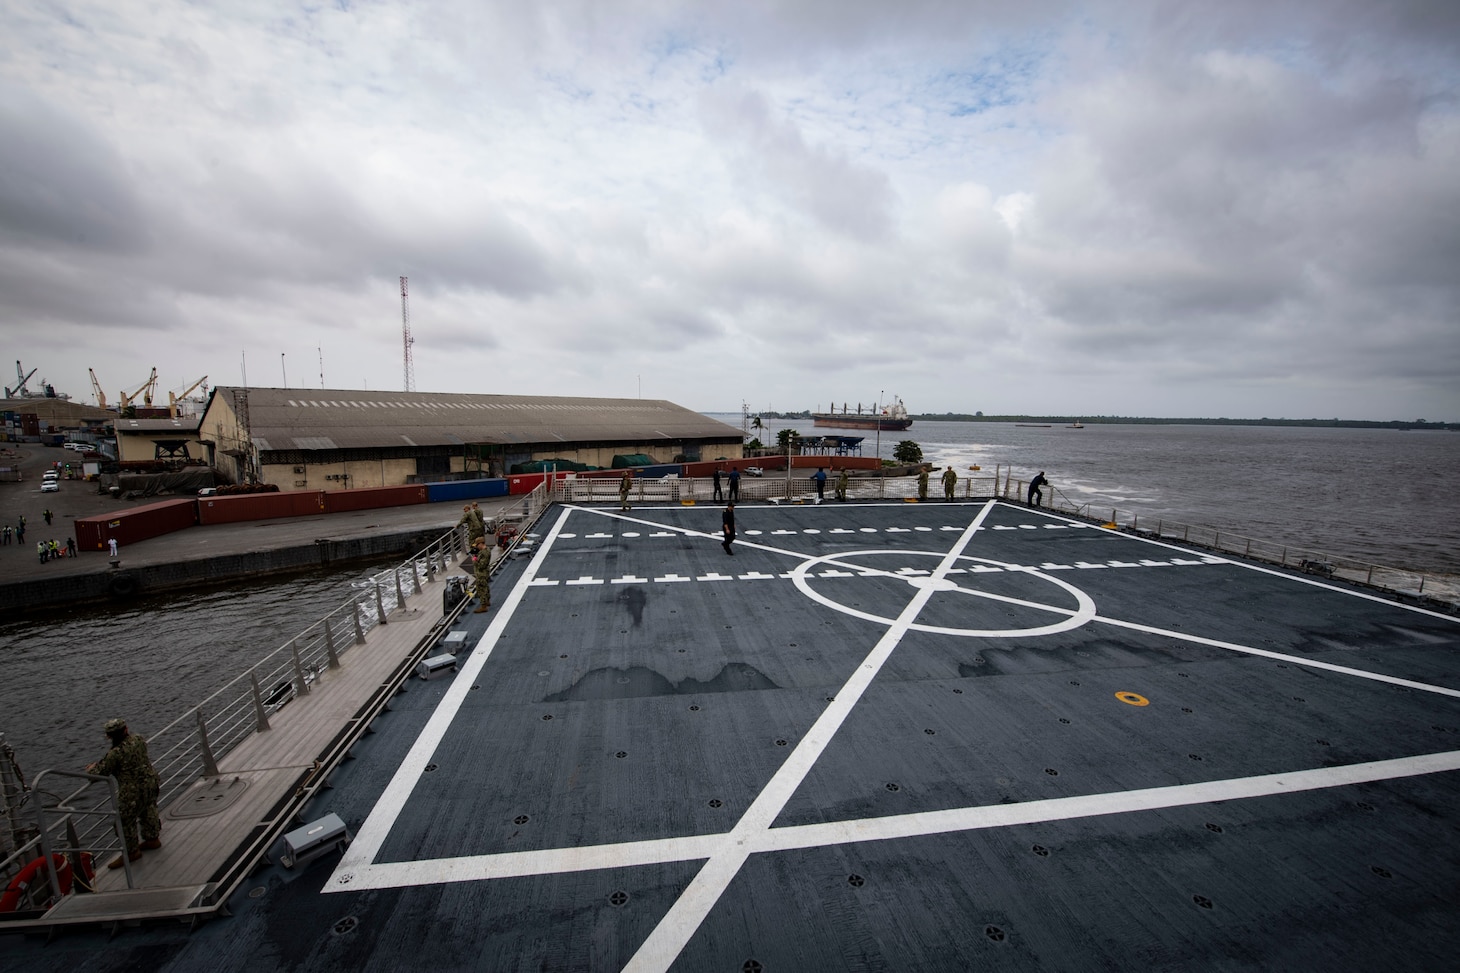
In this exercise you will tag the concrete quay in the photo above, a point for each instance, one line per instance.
(198, 555)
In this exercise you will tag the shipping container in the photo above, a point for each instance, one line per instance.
(260, 506)
(456, 490)
(371, 498)
(135, 524)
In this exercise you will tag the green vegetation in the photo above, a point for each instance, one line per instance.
(786, 439)
(908, 452)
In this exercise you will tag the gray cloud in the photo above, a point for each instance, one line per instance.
(1127, 206)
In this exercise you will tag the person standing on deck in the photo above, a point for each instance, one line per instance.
(40, 548)
(1035, 494)
(727, 526)
(949, 478)
(111, 543)
(820, 479)
(137, 789)
(624, 485)
(70, 547)
(719, 494)
(472, 520)
(483, 575)
(841, 486)
(923, 483)
(734, 484)
(47, 514)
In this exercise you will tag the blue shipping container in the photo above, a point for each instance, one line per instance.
(465, 490)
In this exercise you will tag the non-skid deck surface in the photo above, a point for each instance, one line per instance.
(891, 737)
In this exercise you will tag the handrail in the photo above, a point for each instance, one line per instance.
(225, 718)
(1003, 485)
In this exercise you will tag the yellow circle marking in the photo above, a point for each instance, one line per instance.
(1134, 699)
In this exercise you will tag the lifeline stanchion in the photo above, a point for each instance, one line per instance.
(380, 607)
(210, 766)
(329, 645)
(298, 669)
(415, 576)
(400, 596)
(359, 632)
(261, 716)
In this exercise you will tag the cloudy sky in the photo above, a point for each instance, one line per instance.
(1245, 208)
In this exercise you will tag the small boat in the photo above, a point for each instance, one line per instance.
(1077, 424)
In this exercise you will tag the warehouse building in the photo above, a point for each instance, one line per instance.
(326, 439)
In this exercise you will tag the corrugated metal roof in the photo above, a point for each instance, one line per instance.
(283, 419)
(180, 424)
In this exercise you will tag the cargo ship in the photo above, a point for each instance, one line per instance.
(891, 417)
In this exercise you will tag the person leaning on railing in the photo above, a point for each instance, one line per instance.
(137, 789)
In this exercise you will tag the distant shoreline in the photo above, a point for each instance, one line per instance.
(1155, 421)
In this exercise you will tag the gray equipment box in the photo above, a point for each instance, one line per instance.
(319, 837)
(435, 665)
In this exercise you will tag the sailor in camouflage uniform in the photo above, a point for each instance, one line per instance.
(483, 571)
(137, 788)
(471, 516)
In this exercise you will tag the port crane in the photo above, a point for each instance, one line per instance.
(173, 400)
(145, 390)
(96, 388)
(20, 391)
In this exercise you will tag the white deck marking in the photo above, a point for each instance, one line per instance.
(1296, 660)
(725, 853)
(674, 930)
(1092, 805)
(553, 861)
(372, 834)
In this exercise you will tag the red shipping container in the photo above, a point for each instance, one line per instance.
(526, 482)
(370, 498)
(260, 506)
(135, 524)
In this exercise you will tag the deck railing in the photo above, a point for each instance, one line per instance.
(83, 817)
(778, 488)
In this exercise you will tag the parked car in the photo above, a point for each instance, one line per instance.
(50, 486)
(754, 471)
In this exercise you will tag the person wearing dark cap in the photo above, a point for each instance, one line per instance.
(137, 789)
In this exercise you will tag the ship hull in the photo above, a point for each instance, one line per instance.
(842, 421)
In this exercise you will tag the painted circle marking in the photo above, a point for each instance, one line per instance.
(1133, 699)
(800, 576)
(939, 584)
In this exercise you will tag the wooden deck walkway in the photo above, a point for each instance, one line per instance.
(216, 830)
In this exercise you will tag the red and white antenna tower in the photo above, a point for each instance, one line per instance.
(405, 318)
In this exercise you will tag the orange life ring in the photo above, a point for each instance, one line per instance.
(15, 892)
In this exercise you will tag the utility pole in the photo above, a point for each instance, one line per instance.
(877, 411)
(407, 340)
